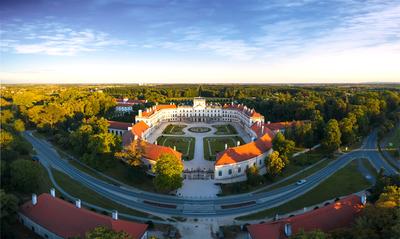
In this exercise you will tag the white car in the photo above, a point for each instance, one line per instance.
(300, 182)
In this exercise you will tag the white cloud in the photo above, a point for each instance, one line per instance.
(54, 39)
(235, 49)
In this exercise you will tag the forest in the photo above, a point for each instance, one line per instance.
(74, 117)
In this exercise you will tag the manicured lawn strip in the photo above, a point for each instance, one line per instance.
(89, 171)
(174, 129)
(395, 139)
(132, 176)
(369, 166)
(45, 183)
(78, 190)
(218, 145)
(345, 181)
(185, 145)
(302, 175)
(224, 129)
(394, 144)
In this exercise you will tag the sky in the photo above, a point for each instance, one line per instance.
(199, 41)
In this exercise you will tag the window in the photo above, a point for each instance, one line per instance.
(239, 169)
(260, 162)
(220, 173)
(230, 171)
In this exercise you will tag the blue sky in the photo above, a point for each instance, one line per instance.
(231, 41)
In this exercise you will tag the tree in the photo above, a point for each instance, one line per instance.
(253, 176)
(331, 141)
(25, 175)
(19, 125)
(282, 145)
(9, 208)
(348, 129)
(377, 222)
(316, 234)
(133, 153)
(6, 139)
(274, 164)
(106, 233)
(168, 170)
(390, 197)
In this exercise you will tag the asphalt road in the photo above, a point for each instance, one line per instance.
(215, 207)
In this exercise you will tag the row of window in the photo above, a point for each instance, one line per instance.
(239, 169)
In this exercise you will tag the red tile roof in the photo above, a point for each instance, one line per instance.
(150, 111)
(153, 151)
(139, 128)
(281, 125)
(250, 112)
(245, 151)
(119, 125)
(66, 220)
(257, 128)
(336, 215)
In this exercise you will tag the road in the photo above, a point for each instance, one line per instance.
(215, 207)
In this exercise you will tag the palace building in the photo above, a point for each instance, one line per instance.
(230, 163)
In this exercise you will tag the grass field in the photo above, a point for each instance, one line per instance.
(345, 181)
(185, 145)
(76, 189)
(176, 129)
(214, 145)
(225, 129)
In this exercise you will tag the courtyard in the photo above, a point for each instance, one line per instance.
(199, 144)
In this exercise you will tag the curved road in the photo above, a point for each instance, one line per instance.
(224, 206)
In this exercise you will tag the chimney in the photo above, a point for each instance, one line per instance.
(226, 146)
(363, 199)
(262, 129)
(288, 230)
(238, 143)
(140, 113)
(155, 142)
(34, 199)
(53, 192)
(115, 215)
(268, 122)
(276, 217)
(78, 203)
(174, 147)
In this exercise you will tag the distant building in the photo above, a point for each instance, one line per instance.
(333, 216)
(118, 128)
(51, 217)
(125, 105)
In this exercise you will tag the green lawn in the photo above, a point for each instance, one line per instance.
(301, 175)
(176, 129)
(394, 143)
(370, 168)
(214, 145)
(345, 181)
(225, 129)
(76, 189)
(185, 145)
